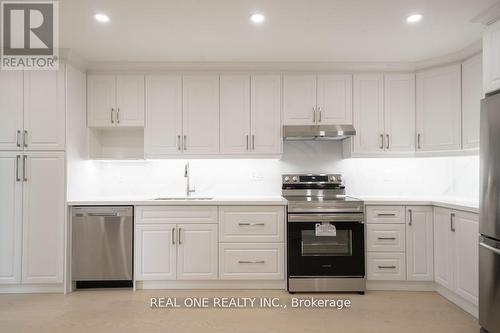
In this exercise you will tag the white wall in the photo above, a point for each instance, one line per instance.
(452, 177)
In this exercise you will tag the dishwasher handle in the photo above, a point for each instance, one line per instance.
(102, 211)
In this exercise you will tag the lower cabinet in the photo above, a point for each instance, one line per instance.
(419, 244)
(197, 251)
(386, 266)
(456, 252)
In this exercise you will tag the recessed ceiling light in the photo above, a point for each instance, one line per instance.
(257, 18)
(103, 18)
(414, 18)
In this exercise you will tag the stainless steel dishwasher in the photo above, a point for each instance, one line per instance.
(102, 239)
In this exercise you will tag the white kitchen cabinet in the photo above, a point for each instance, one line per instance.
(399, 112)
(385, 214)
(43, 217)
(11, 106)
(197, 252)
(443, 248)
(234, 113)
(115, 100)
(368, 117)
(299, 99)
(163, 130)
(466, 256)
(386, 266)
(385, 238)
(10, 217)
(419, 244)
(265, 114)
(155, 252)
(491, 58)
(472, 93)
(324, 99)
(439, 109)
(200, 100)
(334, 99)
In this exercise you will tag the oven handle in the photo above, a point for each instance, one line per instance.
(326, 218)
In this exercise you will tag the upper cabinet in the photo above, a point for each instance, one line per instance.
(439, 109)
(491, 58)
(317, 99)
(115, 100)
(33, 110)
(472, 93)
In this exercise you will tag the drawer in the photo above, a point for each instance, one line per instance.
(175, 214)
(252, 224)
(385, 238)
(251, 261)
(386, 266)
(385, 214)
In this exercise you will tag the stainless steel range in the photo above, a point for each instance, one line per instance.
(325, 233)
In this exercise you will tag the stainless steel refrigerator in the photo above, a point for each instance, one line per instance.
(489, 226)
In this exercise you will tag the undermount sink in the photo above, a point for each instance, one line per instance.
(183, 198)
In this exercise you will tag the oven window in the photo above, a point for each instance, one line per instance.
(340, 245)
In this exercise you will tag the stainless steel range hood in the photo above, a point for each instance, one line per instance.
(318, 132)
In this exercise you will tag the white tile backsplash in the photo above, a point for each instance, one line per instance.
(454, 177)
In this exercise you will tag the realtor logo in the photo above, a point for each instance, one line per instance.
(29, 35)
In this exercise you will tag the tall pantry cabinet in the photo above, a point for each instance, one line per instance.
(32, 174)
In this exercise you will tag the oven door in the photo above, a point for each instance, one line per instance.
(326, 245)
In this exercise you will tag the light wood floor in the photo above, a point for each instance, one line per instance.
(125, 311)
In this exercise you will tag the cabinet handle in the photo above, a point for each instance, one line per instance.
(314, 114)
(387, 267)
(452, 222)
(387, 146)
(251, 224)
(179, 236)
(386, 214)
(253, 142)
(248, 144)
(178, 142)
(25, 162)
(386, 238)
(184, 142)
(112, 119)
(410, 222)
(18, 138)
(118, 116)
(173, 236)
(251, 261)
(319, 114)
(25, 138)
(18, 158)
(418, 141)
(381, 141)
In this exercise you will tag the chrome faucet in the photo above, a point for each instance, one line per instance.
(188, 185)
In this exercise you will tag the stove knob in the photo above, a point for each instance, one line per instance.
(333, 179)
(295, 179)
(287, 179)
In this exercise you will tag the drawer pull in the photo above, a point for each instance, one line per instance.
(386, 238)
(251, 224)
(386, 214)
(251, 261)
(387, 267)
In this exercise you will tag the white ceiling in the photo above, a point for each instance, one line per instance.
(295, 30)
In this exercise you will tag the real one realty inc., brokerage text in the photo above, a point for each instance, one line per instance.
(248, 302)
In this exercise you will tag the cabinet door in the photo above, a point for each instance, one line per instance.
(368, 104)
(197, 252)
(101, 100)
(200, 96)
(472, 93)
(491, 58)
(299, 99)
(130, 100)
(234, 113)
(10, 217)
(266, 114)
(335, 99)
(155, 252)
(443, 248)
(399, 112)
(43, 218)
(44, 110)
(466, 226)
(11, 110)
(439, 109)
(163, 131)
(419, 244)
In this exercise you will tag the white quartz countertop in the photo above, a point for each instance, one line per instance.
(451, 203)
(215, 201)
